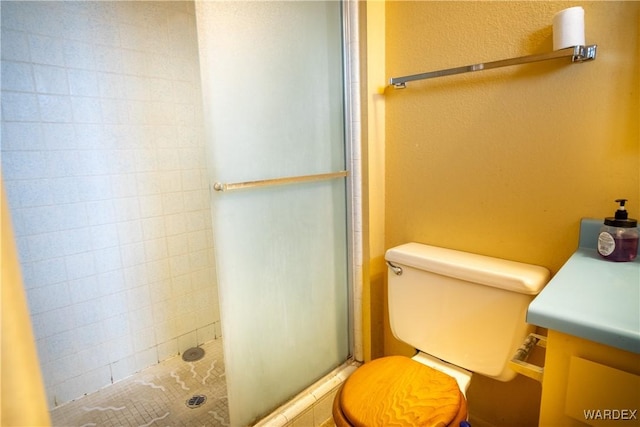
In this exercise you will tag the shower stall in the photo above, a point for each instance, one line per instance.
(179, 172)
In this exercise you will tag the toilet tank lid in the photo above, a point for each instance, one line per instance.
(500, 273)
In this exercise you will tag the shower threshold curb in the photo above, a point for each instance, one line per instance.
(306, 399)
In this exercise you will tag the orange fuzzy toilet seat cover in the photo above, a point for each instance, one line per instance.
(398, 391)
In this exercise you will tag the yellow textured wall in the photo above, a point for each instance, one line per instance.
(505, 162)
(373, 289)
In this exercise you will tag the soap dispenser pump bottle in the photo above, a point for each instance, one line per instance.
(618, 239)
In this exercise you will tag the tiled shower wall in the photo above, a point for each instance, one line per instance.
(103, 159)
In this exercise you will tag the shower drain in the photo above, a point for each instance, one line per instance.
(193, 354)
(196, 401)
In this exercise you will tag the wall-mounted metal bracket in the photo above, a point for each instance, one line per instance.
(519, 360)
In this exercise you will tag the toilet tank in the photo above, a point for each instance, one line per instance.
(463, 308)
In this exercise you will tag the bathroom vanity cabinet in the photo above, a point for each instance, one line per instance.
(588, 383)
(591, 309)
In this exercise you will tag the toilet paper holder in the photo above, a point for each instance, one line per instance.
(519, 360)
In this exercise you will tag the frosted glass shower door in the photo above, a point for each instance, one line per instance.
(272, 76)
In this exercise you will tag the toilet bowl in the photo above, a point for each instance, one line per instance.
(399, 391)
(463, 313)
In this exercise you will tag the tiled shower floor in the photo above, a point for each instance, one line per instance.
(156, 396)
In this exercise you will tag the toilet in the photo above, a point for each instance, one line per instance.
(463, 313)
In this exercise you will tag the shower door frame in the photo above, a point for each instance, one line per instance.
(351, 118)
(353, 150)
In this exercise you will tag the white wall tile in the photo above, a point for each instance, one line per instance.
(80, 265)
(51, 79)
(176, 224)
(29, 193)
(101, 212)
(143, 339)
(86, 110)
(64, 368)
(157, 65)
(21, 107)
(199, 259)
(184, 322)
(87, 313)
(123, 367)
(97, 187)
(187, 341)
(70, 242)
(165, 326)
(112, 286)
(200, 221)
(114, 111)
(59, 136)
(64, 190)
(62, 163)
(181, 285)
(146, 358)
(102, 32)
(49, 271)
(195, 200)
(156, 249)
(142, 318)
(17, 76)
(15, 45)
(84, 289)
(206, 333)
(61, 344)
(21, 136)
(104, 236)
(170, 180)
(132, 255)
(117, 327)
(93, 358)
(39, 248)
(107, 59)
(46, 50)
(197, 241)
(172, 203)
(179, 265)
(55, 108)
(94, 136)
(127, 209)
(88, 317)
(38, 219)
(138, 297)
(113, 304)
(91, 380)
(129, 232)
(167, 349)
(78, 54)
(108, 259)
(158, 271)
(50, 297)
(111, 85)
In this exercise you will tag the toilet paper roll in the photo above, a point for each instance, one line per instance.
(568, 28)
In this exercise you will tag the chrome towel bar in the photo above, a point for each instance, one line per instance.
(577, 54)
(219, 186)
